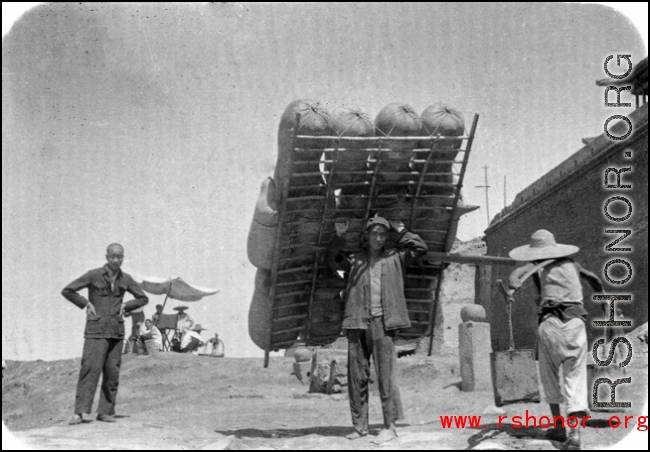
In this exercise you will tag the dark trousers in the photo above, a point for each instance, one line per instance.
(192, 346)
(100, 357)
(378, 343)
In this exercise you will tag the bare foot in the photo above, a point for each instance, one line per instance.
(384, 436)
(355, 435)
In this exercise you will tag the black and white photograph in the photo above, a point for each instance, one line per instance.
(324, 226)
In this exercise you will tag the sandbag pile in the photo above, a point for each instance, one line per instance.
(313, 172)
(262, 233)
(441, 119)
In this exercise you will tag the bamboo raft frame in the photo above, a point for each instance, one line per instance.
(295, 299)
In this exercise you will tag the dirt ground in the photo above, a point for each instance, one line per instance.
(174, 401)
(186, 402)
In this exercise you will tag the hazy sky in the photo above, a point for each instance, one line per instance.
(154, 126)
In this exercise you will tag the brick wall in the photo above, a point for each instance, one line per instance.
(569, 202)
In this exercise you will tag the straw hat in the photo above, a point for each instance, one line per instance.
(198, 328)
(180, 308)
(542, 246)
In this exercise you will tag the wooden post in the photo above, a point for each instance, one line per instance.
(434, 307)
(164, 302)
(449, 240)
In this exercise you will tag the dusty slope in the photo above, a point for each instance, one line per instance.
(177, 401)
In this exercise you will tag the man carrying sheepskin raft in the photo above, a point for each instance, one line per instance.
(375, 308)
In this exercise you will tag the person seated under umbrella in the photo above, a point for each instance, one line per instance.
(184, 321)
(192, 339)
(150, 336)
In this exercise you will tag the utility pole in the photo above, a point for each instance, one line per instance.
(487, 199)
(504, 192)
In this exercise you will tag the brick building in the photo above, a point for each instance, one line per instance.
(569, 201)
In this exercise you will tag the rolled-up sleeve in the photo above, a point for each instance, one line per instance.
(412, 246)
(515, 281)
(70, 291)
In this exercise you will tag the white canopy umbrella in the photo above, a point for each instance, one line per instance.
(175, 288)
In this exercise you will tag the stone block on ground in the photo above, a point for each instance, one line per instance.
(473, 313)
(338, 380)
(475, 347)
(327, 368)
(302, 371)
(299, 351)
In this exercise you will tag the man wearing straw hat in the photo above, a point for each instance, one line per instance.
(375, 308)
(561, 330)
(192, 339)
(184, 322)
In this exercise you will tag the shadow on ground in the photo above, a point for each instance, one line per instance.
(337, 431)
(491, 430)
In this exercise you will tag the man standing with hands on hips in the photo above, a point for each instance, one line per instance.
(102, 353)
(375, 308)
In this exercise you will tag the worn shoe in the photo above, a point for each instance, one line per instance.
(105, 418)
(76, 420)
(356, 435)
(384, 437)
(573, 442)
(556, 434)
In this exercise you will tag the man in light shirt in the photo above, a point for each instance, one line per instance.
(185, 322)
(192, 339)
(151, 336)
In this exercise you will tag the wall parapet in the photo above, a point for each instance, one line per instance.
(581, 161)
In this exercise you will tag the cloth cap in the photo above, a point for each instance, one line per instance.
(542, 246)
(377, 220)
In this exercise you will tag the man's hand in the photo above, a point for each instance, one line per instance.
(396, 225)
(122, 314)
(515, 284)
(341, 226)
(90, 310)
